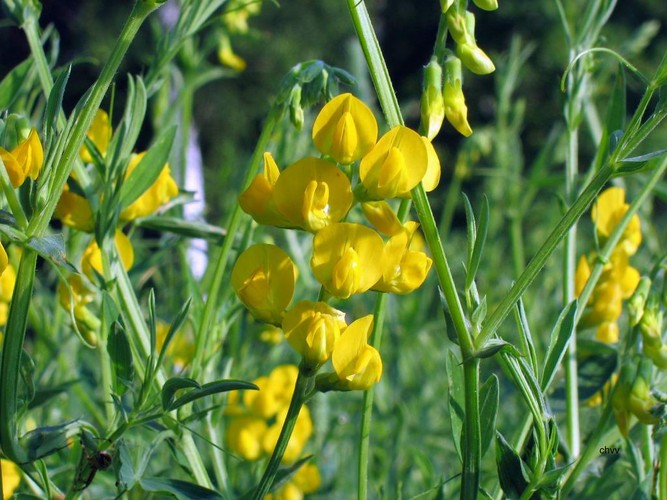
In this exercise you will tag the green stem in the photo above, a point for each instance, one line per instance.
(305, 383)
(205, 327)
(662, 475)
(472, 444)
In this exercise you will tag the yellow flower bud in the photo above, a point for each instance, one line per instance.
(640, 400)
(11, 477)
(271, 335)
(160, 192)
(395, 165)
(263, 278)
(74, 211)
(92, 257)
(357, 364)
(607, 212)
(432, 106)
(312, 329)
(345, 129)
(99, 133)
(456, 110)
(475, 59)
(245, 435)
(347, 258)
(487, 4)
(383, 218)
(227, 57)
(4, 259)
(313, 193)
(25, 160)
(7, 283)
(257, 200)
(404, 270)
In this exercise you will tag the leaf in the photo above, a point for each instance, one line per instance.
(27, 373)
(560, 339)
(175, 325)
(175, 384)
(123, 465)
(480, 240)
(52, 248)
(44, 395)
(120, 354)
(488, 410)
(456, 413)
(148, 169)
(55, 101)
(510, 470)
(133, 118)
(525, 335)
(210, 389)
(189, 229)
(12, 84)
(44, 441)
(182, 490)
(644, 157)
(597, 362)
(471, 230)
(494, 346)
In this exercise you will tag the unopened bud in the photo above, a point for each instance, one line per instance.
(295, 108)
(486, 4)
(432, 103)
(456, 23)
(637, 301)
(445, 5)
(456, 110)
(650, 325)
(475, 59)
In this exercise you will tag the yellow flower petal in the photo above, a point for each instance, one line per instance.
(245, 436)
(357, 364)
(99, 133)
(456, 110)
(433, 169)
(24, 160)
(11, 477)
(92, 257)
(74, 211)
(257, 200)
(345, 129)
(382, 217)
(160, 192)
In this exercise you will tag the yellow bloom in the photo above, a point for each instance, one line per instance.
(303, 429)
(271, 335)
(74, 211)
(275, 392)
(257, 200)
(432, 106)
(395, 165)
(181, 349)
(475, 59)
(4, 260)
(236, 15)
(345, 129)
(263, 278)
(227, 57)
(404, 270)
(607, 303)
(7, 283)
(456, 110)
(382, 217)
(160, 192)
(581, 276)
(305, 480)
(245, 436)
(431, 178)
(92, 257)
(607, 332)
(99, 133)
(25, 160)
(312, 329)
(11, 477)
(357, 364)
(312, 193)
(347, 258)
(608, 211)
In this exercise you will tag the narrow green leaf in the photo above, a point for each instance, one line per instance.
(45, 395)
(174, 384)
(471, 230)
(210, 389)
(644, 157)
(120, 354)
(189, 229)
(148, 169)
(480, 239)
(123, 465)
(175, 325)
(479, 314)
(52, 248)
(510, 470)
(182, 490)
(286, 473)
(525, 336)
(55, 101)
(44, 441)
(494, 346)
(560, 339)
(133, 117)
(488, 410)
(27, 373)
(456, 412)
(12, 84)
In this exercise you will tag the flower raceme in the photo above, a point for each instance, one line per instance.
(608, 210)
(345, 129)
(160, 192)
(263, 278)
(25, 160)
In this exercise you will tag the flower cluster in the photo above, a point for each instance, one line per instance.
(256, 418)
(619, 279)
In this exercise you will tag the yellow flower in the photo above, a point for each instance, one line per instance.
(607, 303)
(271, 335)
(347, 258)
(263, 278)
(475, 59)
(432, 106)
(382, 217)
(7, 283)
(92, 257)
(305, 480)
(404, 270)
(581, 276)
(607, 332)
(357, 364)
(227, 57)
(11, 477)
(456, 110)
(275, 392)
(99, 133)
(74, 211)
(160, 192)
(257, 200)
(245, 436)
(395, 165)
(237, 12)
(25, 160)
(608, 211)
(431, 178)
(303, 429)
(313, 193)
(312, 329)
(4, 260)
(345, 129)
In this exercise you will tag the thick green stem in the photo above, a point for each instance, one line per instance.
(305, 383)
(472, 444)
(662, 475)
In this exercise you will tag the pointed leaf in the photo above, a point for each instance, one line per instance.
(210, 389)
(510, 470)
(560, 339)
(488, 410)
(175, 384)
(480, 240)
(44, 441)
(120, 354)
(55, 101)
(12, 84)
(494, 346)
(189, 229)
(182, 490)
(471, 230)
(456, 412)
(52, 248)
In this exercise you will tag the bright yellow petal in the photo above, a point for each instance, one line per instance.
(433, 169)
(605, 212)
(4, 259)
(99, 133)
(11, 477)
(74, 211)
(382, 217)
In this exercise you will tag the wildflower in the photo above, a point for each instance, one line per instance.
(382, 217)
(607, 212)
(263, 278)
(257, 200)
(357, 364)
(99, 134)
(181, 349)
(4, 259)
(92, 257)
(74, 211)
(275, 392)
(395, 165)
(227, 57)
(312, 329)
(11, 477)
(346, 258)
(581, 276)
(432, 105)
(312, 193)
(345, 129)
(160, 192)
(7, 283)
(245, 435)
(236, 15)
(271, 335)
(25, 160)
(303, 429)
(404, 270)
(431, 178)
